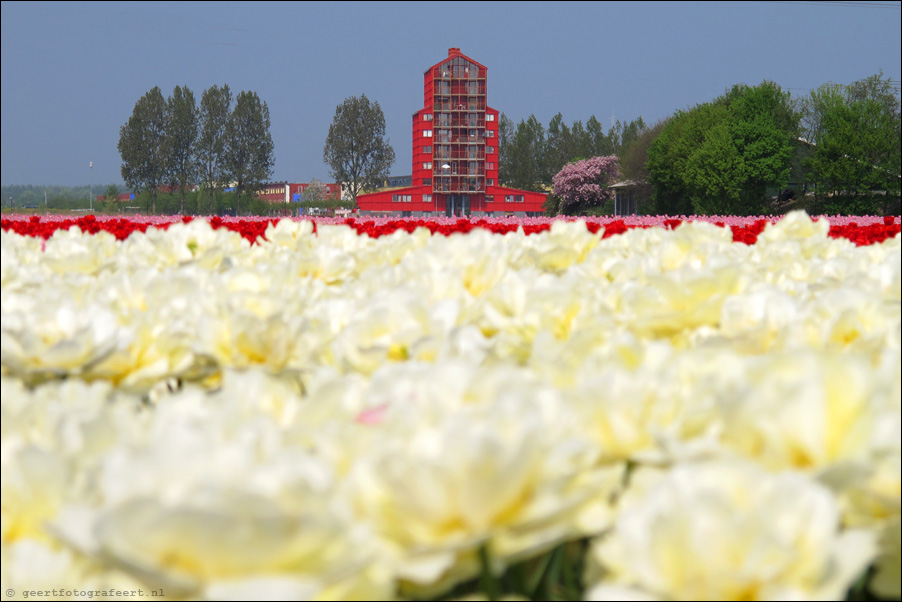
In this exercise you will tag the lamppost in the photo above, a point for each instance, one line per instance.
(91, 188)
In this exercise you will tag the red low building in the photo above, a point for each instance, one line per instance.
(455, 150)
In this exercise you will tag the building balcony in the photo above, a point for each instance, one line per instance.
(463, 155)
(439, 172)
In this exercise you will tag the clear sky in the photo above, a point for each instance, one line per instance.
(72, 72)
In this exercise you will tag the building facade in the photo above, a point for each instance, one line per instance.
(288, 192)
(455, 150)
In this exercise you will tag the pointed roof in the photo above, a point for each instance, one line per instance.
(454, 53)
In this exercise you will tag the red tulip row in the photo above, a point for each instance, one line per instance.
(746, 231)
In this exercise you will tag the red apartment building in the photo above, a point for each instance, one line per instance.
(455, 150)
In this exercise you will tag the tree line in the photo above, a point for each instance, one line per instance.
(106, 201)
(724, 156)
(746, 152)
(851, 140)
(172, 143)
(51, 197)
(752, 150)
(530, 155)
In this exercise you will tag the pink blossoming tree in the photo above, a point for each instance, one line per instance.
(583, 185)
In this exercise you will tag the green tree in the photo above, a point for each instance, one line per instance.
(249, 150)
(635, 158)
(764, 126)
(878, 88)
(215, 108)
(141, 145)
(634, 163)
(112, 194)
(564, 145)
(668, 155)
(621, 135)
(356, 150)
(558, 147)
(505, 138)
(714, 173)
(856, 135)
(726, 155)
(580, 142)
(526, 155)
(180, 142)
(599, 144)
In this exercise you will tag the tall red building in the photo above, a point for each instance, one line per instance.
(455, 150)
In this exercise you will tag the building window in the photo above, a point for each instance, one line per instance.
(427, 133)
(427, 150)
(490, 133)
(489, 166)
(490, 198)
(427, 165)
(490, 117)
(490, 182)
(427, 198)
(490, 150)
(400, 198)
(427, 181)
(427, 116)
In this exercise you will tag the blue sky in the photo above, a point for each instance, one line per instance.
(72, 72)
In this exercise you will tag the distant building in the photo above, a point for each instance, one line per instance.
(274, 192)
(397, 182)
(455, 150)
(630, 196)
(285, 192)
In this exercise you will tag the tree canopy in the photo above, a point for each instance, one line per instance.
(726, 155)
(855, 133)
(141, 142)
(215, 108)
(172, 142)
(249, 147)
(530, 155)
(525, 156)
(356, 150)
(180, 142)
